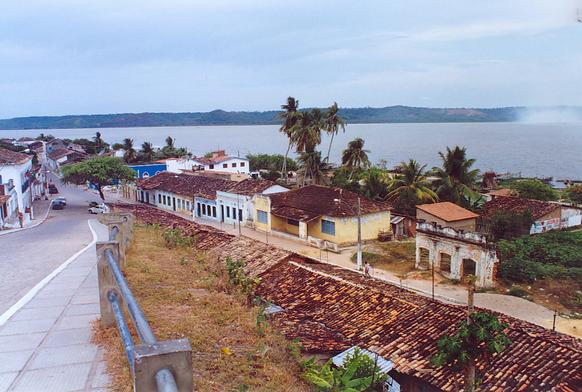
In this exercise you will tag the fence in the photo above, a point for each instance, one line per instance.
(156, 366)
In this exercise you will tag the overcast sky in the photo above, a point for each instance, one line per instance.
(111, 56)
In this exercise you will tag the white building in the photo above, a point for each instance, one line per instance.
(15, 190)
(218, 162)
(236, 204)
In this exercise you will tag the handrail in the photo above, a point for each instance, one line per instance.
(150, 356)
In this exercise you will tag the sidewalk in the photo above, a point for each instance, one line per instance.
(46, 345)
(41, 212)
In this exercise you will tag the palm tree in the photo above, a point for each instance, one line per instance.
(129, 155)
(147, 151)
(375, 184)
(456, 180)
(170, 143)
(410, 187)
(332, 124)
(289, 118)
(355, 157)
(310, 167)
(306, 133)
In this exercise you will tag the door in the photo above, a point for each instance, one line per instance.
(222, 212)
(174, 203)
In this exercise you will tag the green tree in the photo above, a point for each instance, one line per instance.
(311, 167)
(574, 194)
(332, 125)
(506, 225)
(410, 187)
(534, 189)
(117, 146)
(306, 133)
(476, 338)
(45, 138)
(147, 151)
(456, 180)
(375, 183)
(98, 140)
(130, 154)
(289, 118)
(359, 372)
(355, 157)
(100, 172)
(272, 162)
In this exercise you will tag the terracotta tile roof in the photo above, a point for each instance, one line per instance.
(59, 153)
(315, 200)
(9, 157)
(186, 185)
(257, 256)
(250, 186)
(4, 198)
(294, 213)
(342, 308)
(518, 205)
(447, 211)
(500, 192)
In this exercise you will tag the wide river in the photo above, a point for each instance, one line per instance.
(548, 149)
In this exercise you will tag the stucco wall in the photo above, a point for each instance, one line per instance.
(346, 229)
(262, 203)
(466, 224)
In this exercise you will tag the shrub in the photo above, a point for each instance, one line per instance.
(518, 292)
(174, 238)
(238, 277)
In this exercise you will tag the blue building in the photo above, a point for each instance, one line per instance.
(149, 169)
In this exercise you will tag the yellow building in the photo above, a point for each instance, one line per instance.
(326, 217)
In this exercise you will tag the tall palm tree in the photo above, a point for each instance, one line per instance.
(410, 187)
(332, 124)
(456, 180)
(170, 143)
(306, 133)
(289, 118)
(355, 157)
(129, 155)
(147, 151)
(310, 167)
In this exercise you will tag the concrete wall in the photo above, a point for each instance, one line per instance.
(466, 224)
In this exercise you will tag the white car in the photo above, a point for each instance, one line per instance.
(99, 209)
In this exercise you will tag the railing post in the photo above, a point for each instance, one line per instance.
(150, 359)
(106, 280)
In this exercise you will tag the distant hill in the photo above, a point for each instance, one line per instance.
(390, 114)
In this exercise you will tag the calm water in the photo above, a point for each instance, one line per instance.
(532, 149)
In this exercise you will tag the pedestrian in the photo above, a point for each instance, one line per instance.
(367, 269)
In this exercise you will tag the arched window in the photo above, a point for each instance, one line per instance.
(145, 175)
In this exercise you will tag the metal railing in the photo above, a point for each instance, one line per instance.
(155, 365)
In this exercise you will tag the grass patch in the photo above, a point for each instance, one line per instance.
(396, 256)
(183, 293)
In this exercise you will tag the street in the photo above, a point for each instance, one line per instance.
(26, 257)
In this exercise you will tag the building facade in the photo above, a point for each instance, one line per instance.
(16, 177)
(218, 161)
(148, 170)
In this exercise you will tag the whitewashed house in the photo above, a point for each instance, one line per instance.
(235, 205)
(217, 162)
(15, 189)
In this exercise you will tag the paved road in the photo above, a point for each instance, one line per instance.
(26, 257)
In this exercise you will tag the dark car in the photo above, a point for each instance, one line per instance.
(58, 205)
(93, 204)
(53, 189)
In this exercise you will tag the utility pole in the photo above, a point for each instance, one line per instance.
(554, 323)
(359, 256)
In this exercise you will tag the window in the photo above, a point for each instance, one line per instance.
(327, 227)
(164, 199)
(214, 211)
(159, 199)
(242, 164)
(228, 212)
(234, 164)
(224, 165)
(240, 214)
(211, 166)
(262, 216)
(292, 222)
(145, 175)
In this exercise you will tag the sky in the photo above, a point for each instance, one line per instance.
(62, 57)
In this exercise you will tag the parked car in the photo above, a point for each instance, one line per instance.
(99, 209)
(57, 205)
(61, 199)
(53, 189)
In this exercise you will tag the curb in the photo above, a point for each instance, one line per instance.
(40, 285)
(6, 232)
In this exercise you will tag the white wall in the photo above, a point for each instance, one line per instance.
(17, 173)
(177, 165)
